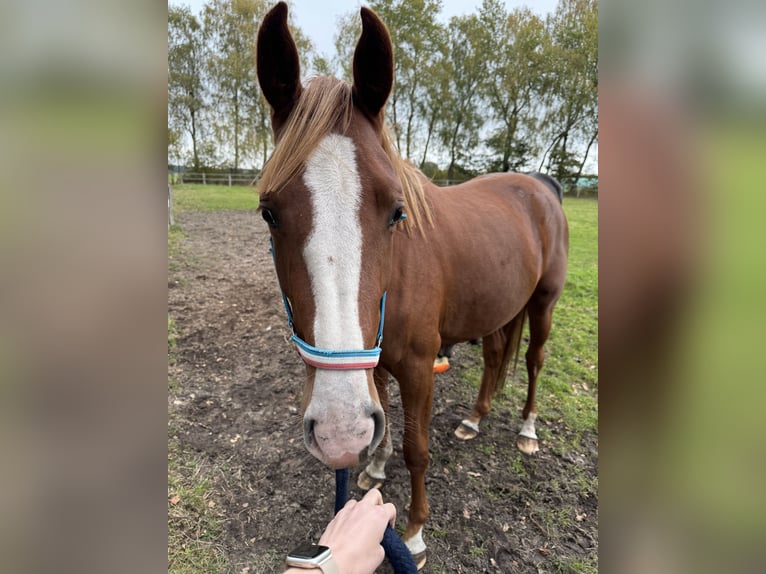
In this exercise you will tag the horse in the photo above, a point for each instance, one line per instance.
(366, 249)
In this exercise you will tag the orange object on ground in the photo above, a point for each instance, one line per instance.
(441, 364)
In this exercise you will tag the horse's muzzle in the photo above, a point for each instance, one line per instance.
(344, 441)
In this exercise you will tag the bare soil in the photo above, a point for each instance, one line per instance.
(233, 405)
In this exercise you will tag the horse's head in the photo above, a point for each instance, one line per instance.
(331, 197)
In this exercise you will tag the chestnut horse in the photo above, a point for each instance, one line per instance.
(470, 261)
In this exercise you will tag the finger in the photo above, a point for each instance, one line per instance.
(373, 496)
(391, 513)
(350, 504)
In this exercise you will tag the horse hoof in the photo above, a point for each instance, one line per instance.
(366, 482)
(419, 559)
(464, 432)
(527, 445)
(441, 364)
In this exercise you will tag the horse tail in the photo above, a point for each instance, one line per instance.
(513, 331)
(551, 182)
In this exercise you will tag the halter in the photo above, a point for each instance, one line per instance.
(333, 360)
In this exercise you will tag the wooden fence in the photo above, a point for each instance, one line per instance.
(204, 178)
(588, 183)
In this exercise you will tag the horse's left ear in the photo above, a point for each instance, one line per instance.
(373, 65)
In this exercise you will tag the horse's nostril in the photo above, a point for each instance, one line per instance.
(379, 419)
(308, 431)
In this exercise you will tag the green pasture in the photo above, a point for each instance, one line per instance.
(196, 197)
(569, 380)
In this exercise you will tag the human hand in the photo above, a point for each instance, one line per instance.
(354, 535)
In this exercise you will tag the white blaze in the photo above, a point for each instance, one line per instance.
(340, 402)
(333, 251)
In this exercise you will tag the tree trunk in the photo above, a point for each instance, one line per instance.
(193, 133)
(431, 123)
(548, 150)
(397, 134)
(512, 124)
(584, 159)
(506, 150)
(409, 133)
(263, 130)
(236, 131)
(453, 153)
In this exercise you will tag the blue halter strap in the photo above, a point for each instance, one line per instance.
(333, 360)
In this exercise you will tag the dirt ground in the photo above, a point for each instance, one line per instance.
(233, 405)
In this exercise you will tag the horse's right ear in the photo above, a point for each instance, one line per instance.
(278, 66)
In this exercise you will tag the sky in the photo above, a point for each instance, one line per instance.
(318, 18)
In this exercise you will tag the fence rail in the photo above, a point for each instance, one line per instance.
(228, 179)
(586, 182)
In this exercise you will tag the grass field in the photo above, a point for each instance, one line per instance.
(568, 390)
(192, 197)
(571, 368)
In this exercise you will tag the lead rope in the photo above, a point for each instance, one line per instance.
(398, 554)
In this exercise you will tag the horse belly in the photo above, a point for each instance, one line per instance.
(487, 295)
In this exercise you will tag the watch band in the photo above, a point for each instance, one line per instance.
(328, 566)
(308, 556)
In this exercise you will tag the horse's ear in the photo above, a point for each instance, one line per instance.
(278, 66)
(373, 65)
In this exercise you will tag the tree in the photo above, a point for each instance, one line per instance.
(466, 67)
(436, 89)
(322, 66)
(572, 114)
(349, 28)
(415, 35)
(512, 44)
(242, 124)
(419, 49)
(589, 127)
(186, 85)
(230, 30)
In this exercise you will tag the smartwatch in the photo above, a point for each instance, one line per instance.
(313, 556)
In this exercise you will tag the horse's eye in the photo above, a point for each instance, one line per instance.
(397, 216)
(269, 217)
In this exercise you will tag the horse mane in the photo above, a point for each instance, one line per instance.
(326, 104)
(552, 183)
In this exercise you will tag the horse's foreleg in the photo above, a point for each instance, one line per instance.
(417, 397)
(540, 316)
(375, 472)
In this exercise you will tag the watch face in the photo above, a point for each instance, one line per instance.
(308, 551)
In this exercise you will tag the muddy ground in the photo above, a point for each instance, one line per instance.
(233, 408)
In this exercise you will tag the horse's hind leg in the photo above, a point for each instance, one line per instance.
(540, 310)
(495, 348)
(375, 472)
